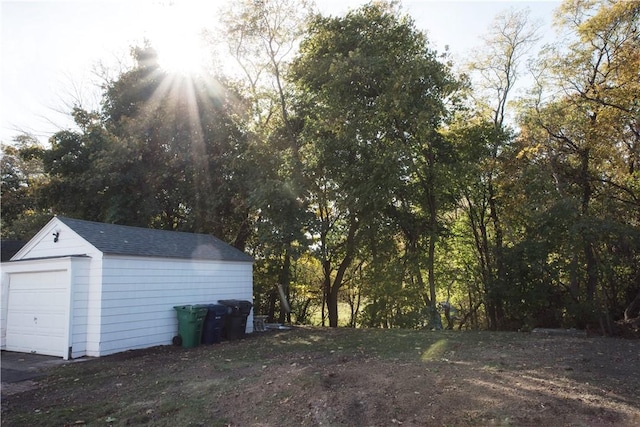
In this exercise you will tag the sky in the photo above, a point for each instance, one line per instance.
(51, 51)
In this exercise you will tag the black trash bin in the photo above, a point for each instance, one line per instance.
(235, 324)
(213, 323)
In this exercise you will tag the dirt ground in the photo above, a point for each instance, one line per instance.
(346, 377)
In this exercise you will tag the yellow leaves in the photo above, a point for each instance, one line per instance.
(610, 17)
(530, 151)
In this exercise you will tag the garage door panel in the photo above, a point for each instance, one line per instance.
(42, 323)
(48, 300)
(54, 279)
(38, 312)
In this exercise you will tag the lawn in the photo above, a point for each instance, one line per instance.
(347, 377)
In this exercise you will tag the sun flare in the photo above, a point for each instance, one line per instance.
(176, 36)
(181, 53)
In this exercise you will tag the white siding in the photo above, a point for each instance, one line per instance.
(91, 297)
(83, 270)
(138, 296)
(4, 305)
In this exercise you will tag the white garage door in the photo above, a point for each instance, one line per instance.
(37, 313)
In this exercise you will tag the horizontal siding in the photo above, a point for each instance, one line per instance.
(4, 306)
(138, 296)
(81, 272)
(137, 325)
(134, 343)
(94, 308)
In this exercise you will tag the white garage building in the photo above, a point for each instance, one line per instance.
(82, 288)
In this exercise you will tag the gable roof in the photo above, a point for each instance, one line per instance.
(126, 240)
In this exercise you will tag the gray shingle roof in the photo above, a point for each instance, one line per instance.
(9, 248)
(125, 240)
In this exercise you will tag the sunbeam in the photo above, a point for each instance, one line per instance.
(176, 34)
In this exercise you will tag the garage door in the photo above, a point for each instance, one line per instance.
(37, 313)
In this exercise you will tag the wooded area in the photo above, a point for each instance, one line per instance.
(378, 182)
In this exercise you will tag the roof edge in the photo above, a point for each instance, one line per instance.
(29, 245)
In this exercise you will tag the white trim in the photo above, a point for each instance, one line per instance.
(4, 308)
(34, 240)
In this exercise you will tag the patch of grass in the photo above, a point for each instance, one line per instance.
(436, 351)
(311, 375)
(380, 343)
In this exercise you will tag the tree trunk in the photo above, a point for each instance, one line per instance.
(332, 288)
(432, 203)
(243, 233)
(633, 309)
(326, 267)
(574, 287)
(285, 280)
(272, 305)
(303, 313)
(478, 224)
(332, 307)
(425, 295)
(590, 258)
(470, 315)
(498, 279)
(433, 224)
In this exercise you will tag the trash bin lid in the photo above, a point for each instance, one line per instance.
(230, 302)
(245, 307)
(197, 308)
(219, 309)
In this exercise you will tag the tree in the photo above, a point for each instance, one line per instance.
(165, 151)
(22, 178)
(588, 136)
(494, 70)
(183, 151)
(262, 37)
(372, 97)
(74, 187)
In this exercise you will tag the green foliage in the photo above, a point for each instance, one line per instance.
(357, 181)
(24, 226)
(165, 151)
(582, 141)
(22, 177)
(372, 94)
(75, 186)
(23, 180)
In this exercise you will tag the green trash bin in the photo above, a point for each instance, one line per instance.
(190, 320)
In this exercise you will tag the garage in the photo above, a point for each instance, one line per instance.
(82, 288)
(37, 313)
(37, 305)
